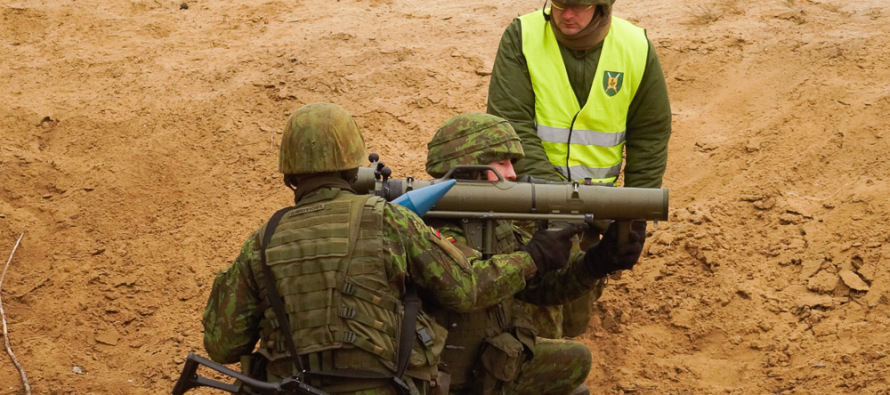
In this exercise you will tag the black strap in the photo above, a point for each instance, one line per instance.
(272, 294)
(409, 325)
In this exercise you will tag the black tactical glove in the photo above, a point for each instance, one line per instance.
(550, 249)
(610, 256)
(639, 227)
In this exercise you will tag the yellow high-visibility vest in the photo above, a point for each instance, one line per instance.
(584, 142)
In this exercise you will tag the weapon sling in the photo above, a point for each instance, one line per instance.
(412, 304)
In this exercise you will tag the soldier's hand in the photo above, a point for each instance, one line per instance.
(639, 227)
(610, 255)
(550, 249)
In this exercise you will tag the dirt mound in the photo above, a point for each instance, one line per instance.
(139, 148)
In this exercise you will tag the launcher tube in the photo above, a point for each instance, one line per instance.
(505, 198)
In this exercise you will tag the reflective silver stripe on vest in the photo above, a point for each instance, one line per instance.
(582, 172)
(580, 136)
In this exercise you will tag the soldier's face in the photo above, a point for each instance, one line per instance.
(571, 19)
(505, 167)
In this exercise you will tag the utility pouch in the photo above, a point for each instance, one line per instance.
(428, 344)
(254, 366)
(502, 357)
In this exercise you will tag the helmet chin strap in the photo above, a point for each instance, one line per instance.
(290, 181)
(544, 12)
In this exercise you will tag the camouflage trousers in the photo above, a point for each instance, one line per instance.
(388, 389)
(557, 368)
(348, 386)
(375, 391)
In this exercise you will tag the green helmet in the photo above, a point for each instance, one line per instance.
(318, 138)
(471, 139)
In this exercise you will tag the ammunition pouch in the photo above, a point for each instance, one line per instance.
(500, 362)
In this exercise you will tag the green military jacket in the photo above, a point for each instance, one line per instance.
(510, 96)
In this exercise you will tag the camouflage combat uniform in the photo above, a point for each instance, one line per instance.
(342, 264)
(495, 350)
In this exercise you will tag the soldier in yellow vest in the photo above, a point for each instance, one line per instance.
(584, 90)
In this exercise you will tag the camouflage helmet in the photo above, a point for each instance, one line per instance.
(320, 137)
(471, 139)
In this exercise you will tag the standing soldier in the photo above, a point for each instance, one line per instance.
(495, 350)
(580, 87)
(584, 90)
(346, 268)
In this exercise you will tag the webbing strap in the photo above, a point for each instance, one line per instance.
(351, 314)
(272, 294)
(360, 342)
(409, 322)
(353, 290)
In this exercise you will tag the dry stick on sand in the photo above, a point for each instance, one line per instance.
(5, 334)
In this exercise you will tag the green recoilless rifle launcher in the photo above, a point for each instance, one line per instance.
(481, 202)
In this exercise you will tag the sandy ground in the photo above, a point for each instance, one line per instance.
(138, 148)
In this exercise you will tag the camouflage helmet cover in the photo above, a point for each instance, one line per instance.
(320, 137)
(471, 139)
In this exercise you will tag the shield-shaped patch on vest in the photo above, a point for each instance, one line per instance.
(612, 81)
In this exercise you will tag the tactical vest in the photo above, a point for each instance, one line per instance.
(584, 142)
(345, 314)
